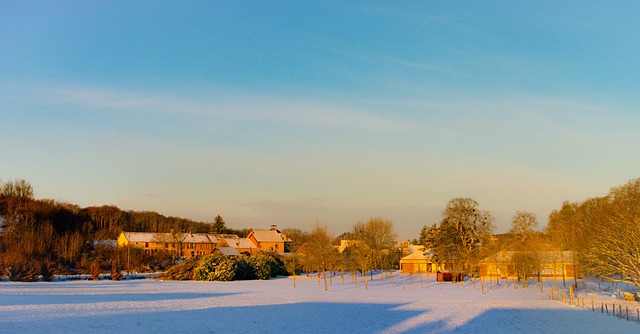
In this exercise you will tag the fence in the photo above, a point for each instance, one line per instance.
(626, 310)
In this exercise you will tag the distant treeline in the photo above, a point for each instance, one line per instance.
(47, 237)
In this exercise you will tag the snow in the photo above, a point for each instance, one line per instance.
(275, 306)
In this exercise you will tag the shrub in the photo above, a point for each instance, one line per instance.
(264, 266)
(184, 270)
(245, 269)
(95, 271)
(24, 270)
(216, 268)
(115, 272)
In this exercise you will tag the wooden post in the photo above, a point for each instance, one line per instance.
(627, 310)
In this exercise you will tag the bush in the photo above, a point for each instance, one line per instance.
(95, 271)
(24, 270)
(184, 270)
(216, 267)
(115, 272)
(264, 266)
(245, 269)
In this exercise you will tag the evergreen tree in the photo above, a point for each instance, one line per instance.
(219, 226)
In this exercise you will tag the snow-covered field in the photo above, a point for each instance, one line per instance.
(150, 306)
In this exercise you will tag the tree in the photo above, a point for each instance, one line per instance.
(564, 230)
(428, 236)
(463, 229)
(219, 226)
(319, 252)
(297, 237)
(614, 251)
(378, 235)
(523, 225)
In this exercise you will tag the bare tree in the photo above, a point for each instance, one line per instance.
(378, 235)
(564, 230)
(319, 251)
(523, 226)
(614, 252)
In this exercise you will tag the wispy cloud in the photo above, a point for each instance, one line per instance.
(237, 106)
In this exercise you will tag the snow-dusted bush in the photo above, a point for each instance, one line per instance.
(184, 270)
(264, 266)
(245, 269)
(216, 267)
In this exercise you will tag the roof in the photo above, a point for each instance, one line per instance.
(242, 243)
(228, 250)
(193, 238)
(200, 238)
(147, 236)
(416, 256)
(267, 236)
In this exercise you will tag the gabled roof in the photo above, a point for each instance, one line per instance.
(147, 237)
(242, 243)
(267, 236)
(228, 250)
(200, 238)
(416, 256)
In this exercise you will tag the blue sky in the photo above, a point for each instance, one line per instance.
(288, 112)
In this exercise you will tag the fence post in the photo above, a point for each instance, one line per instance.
(627, 310)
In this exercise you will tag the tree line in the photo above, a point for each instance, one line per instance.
(602, 234)
(44, 237)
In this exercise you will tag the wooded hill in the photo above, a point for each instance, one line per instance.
(47, 237)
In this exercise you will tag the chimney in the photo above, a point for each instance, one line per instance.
(274, 227)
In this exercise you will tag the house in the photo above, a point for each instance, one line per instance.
(180, 244)
(548, 263)
(194, 244)
(271, 240)
(150, 242)
(417, 262)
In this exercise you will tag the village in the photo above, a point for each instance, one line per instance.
(413, 259)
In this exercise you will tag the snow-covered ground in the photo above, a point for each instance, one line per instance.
(150, 306)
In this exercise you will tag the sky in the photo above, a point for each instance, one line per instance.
(291, 112)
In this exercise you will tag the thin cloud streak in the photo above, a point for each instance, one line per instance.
(239, 108)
